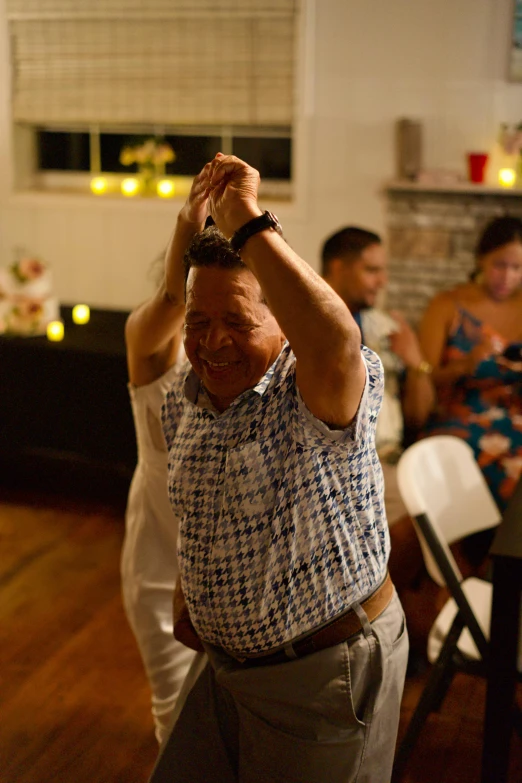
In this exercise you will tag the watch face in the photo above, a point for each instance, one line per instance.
(266, 220)
(274, 222)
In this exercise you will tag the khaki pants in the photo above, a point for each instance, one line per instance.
(330, 717)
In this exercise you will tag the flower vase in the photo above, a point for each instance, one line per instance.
(147, 173)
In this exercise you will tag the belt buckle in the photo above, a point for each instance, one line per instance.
(290, 652)
(238, 658)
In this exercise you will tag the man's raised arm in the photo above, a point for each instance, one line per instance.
(315, 320)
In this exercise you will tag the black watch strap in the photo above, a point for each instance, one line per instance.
(254, 226)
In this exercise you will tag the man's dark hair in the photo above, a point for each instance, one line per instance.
(210, 248)
(348, 244)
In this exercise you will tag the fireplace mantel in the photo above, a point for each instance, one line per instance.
(401, 185)
(432, 231)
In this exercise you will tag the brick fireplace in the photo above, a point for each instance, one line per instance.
(431, 236)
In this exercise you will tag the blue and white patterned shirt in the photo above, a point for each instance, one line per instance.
(282, 519)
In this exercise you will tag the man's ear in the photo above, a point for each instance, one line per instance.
(334, 269)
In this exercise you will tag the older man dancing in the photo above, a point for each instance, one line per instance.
(283, 536)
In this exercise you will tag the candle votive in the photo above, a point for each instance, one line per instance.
(55, 331)
(98, 185)
(81, 314)
(130, 186)
(507, 177)
(165, 188)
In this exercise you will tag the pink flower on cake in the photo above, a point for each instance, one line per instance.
(27, 269)
(28, 309)
(30, 268)
(26, 316)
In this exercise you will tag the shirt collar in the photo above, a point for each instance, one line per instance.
(193, 384)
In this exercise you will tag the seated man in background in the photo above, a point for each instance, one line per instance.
(354, 263)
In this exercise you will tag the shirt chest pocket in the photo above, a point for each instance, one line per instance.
(254, 479)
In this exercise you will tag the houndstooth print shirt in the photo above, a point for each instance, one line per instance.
(282, 519)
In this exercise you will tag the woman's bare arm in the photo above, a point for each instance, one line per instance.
(153, 331)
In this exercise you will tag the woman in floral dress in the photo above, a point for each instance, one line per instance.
(472, 337)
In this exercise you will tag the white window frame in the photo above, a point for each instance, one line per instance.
(17, 145)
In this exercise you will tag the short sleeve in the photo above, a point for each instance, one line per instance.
(364, 423)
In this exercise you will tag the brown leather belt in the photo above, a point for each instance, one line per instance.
(338, 630)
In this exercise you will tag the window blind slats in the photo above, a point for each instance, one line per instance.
(174, 71)
(41, 9)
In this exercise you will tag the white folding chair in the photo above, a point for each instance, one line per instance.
(447, 497)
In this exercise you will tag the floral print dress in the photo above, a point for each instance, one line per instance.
(485, 409)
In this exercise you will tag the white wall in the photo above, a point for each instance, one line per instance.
(365, 64)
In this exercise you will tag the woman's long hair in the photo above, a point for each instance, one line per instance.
(498, 232)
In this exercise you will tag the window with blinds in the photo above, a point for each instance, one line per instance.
(159, 66)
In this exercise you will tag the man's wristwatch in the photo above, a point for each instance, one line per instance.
(254, 226)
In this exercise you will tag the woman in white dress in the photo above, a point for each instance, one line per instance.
(149, 566)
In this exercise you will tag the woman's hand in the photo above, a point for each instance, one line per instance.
(404, 342)
(195, 208)
(488, 347)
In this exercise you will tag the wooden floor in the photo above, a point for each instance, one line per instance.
(74, 702)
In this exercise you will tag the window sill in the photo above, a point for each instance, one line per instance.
(274, 191)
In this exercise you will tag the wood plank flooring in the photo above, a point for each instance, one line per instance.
(73, 695)
(74, 701)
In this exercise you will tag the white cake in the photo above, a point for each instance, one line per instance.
(27, 303)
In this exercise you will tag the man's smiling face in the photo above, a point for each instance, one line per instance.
(231, 337)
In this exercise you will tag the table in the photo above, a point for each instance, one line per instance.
(65, 416)
(506, 553)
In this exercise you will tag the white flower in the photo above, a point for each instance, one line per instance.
(513, 467)
(517, 420)
(495, 414)
(511, 139)
(494, 444)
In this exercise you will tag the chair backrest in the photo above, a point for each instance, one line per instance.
(440, 478)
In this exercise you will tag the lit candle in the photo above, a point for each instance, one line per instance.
(507, 177)
(165, 188)
(98, 185)
(130, 186)
(81, 314)
(55, 331)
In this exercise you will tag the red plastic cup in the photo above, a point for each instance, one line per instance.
(477, 166)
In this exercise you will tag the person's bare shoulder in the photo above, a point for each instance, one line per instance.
(445, 302)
